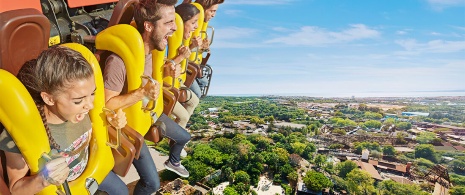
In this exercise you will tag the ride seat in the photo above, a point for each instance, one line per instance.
(123, 12)
(24, 34)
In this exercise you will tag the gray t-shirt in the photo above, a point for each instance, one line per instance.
(114, 74)
(69, 136)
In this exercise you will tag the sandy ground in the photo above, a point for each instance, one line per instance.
(218, 190)
(265, 187)
(260, 189)
(385, 106)
(293, 125)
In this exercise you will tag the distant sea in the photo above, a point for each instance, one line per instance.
(361, 94)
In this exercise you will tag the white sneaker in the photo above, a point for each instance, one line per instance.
(180, 170)
(183, 153)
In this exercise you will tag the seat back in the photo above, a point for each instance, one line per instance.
(197, 57)
(30, 137)
(126, 42)
(174, 42)
(158, 60)
(24, 34)
(123, 12)
(100, 161)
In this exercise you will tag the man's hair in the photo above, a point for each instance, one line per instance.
(149, 10)
(208, 3)
(187, 11)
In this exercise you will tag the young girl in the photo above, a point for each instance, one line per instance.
(190, 15)
(61, 83)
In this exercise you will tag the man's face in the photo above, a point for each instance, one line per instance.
(163, 28)
(210, 12)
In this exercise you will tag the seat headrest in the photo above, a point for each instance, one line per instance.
(24, 34)
(123, 12)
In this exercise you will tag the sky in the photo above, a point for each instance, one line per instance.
(338, 48)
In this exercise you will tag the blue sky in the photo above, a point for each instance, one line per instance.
(338, 47)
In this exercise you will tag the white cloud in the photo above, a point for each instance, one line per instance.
(439, 5)
(233, 12)
(234, 33)
(434, 46)
(259, 2)
(234, 45)
(235, 37)
(281, 29)
(460, 27)
(316, 36)
(401, 32)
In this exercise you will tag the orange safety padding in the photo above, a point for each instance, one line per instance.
(80, 3)
(7, 5)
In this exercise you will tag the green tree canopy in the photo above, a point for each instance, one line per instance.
(298, 147)
(309, 150)
(390, 187)
(457, 190)
(223, 145)
(359, 146)
(457, 179)
(340, 122)
(207, 155)
(293, 178)
(320, 160)
(360, 182)
(316, 181)
(373, 115)
(229, 190)
(389, 150)
(458, 166)
(372, 124)
(426, 137)
(345, 168)
(283, 155)
(201, 169)
(389, 122)
(425, 151)
(241, 177)
(404, 125)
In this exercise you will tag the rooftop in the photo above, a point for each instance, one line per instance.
(370, 169)
(400, 179)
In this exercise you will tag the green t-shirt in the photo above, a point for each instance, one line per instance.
(68, 136)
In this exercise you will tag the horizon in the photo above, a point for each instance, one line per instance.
(338, 48)
(417, 94)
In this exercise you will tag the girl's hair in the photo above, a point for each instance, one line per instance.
(208, 3)
(53, 71)
(149, 10)
(187, 11)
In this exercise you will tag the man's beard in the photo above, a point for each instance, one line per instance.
(156, 42)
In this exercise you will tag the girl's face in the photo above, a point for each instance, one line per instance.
(211, 12)
(190, 26)
(72, 104)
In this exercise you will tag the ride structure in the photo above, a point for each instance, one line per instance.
(92, 27)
